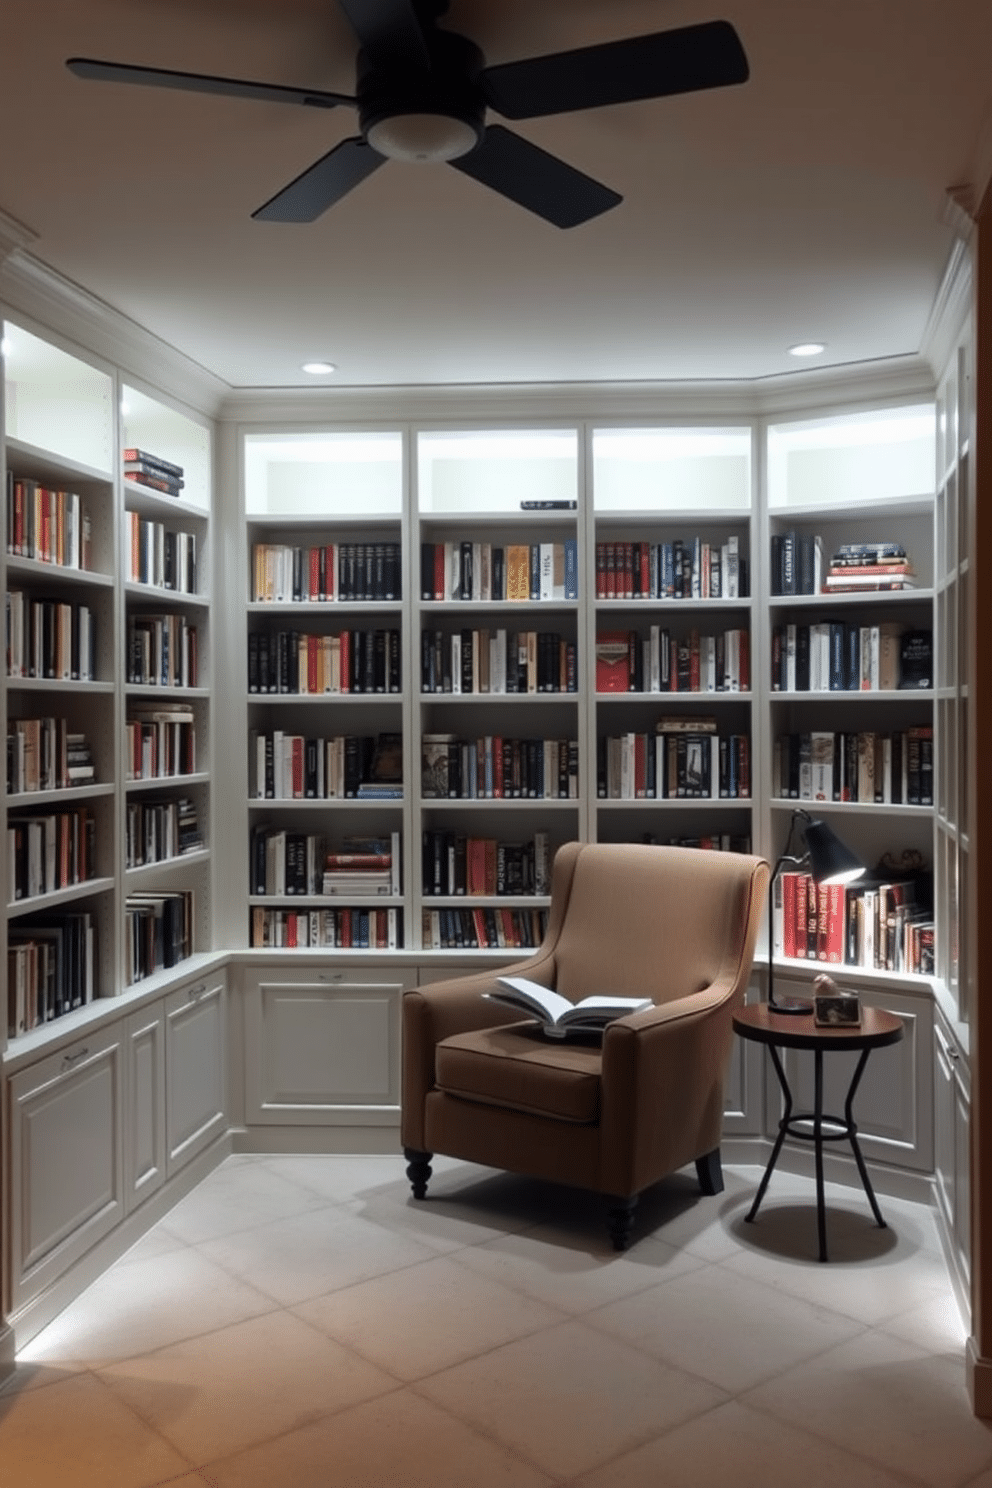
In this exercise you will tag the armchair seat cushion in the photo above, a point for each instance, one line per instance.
(518, 1068)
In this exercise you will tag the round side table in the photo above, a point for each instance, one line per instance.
(776, 1031)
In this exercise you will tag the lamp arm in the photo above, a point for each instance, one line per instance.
(786, 857)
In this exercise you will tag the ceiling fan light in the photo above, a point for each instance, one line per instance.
(422, 138)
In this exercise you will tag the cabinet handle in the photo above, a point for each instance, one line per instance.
(330, 976)
(68, 1060)
(947, 1049)
(195, 993)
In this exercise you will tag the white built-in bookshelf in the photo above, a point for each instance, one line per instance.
(97, 840)
(587, 623)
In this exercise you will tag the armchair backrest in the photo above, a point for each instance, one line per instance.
(658, 922)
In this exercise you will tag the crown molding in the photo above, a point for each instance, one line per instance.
(852, 384)
(13, 235)
(32, 288)
(951, 307)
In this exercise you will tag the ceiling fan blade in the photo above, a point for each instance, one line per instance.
(322, 184)
(679, 61)
(534, 179)
(390, 31)
(202, 82)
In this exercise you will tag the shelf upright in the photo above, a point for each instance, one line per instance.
(671, 568)
(328, 717)
(498, 565)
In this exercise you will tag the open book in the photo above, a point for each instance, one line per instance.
(556, 1014)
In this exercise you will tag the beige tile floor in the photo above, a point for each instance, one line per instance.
(300, 1322)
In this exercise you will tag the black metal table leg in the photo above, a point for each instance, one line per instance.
(783, 1128)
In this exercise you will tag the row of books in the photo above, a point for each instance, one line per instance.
(160, 743)
(843, 656)
(367, 929)
(43, 755)
(681, 765)
(491, 767)
(325, 572)
(162, 651)
(50, 852)
(453, 863)
(484, 927)
(158, 932)
(686, 568)
(711, 842)
(158, 555)
(48, 526)
(497, 661)
(867, 767)
(51, 969)
(293, 767)
(485, 572)
(660, 661)
(156, 831)
(301, 663)
(296, 863)
(143, 468)
(797, 566)
(50, 638)
(884, 925)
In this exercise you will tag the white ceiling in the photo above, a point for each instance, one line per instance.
(808, 203)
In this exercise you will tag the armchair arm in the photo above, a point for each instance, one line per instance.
(440, 1009)
(662, 1086)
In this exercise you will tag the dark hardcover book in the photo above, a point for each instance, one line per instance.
(790, 574)
(916, 659)
(393, 674)
(775, 574)
(466, 576)
(802, 658)
(131, 455)
(253, 676)
(554, 505)
(806, 576)
(838, 671)
(535, 571)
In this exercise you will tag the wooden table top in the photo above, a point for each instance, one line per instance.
(757, 1021)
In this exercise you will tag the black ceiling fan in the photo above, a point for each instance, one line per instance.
(422, 94)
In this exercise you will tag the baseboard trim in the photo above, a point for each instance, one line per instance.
(310, 1141)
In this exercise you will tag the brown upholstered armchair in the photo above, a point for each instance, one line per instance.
(675, 924)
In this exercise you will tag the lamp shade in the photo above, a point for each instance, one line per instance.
(830, 861)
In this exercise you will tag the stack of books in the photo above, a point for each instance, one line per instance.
(144, 469)
(858, 567)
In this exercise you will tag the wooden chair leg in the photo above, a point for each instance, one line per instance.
(709, 1172)
(418, 1170)
(621, 1221)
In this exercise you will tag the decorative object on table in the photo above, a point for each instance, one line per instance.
(833, 1006)
(828, 861)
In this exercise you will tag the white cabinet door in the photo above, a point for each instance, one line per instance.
(66, 1169)
(322, 1047)
(951, 1157)
(144, 1108)
(195, 1068)
(893, 1107)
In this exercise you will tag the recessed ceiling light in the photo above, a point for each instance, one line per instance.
(807, 348)
(318, 369)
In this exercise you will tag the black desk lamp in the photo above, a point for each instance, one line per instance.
(828, 861)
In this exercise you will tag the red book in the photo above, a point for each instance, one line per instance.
(439, 570)
(314, 573)
(830, 936)
(645, 551)
(313, 649)
(475, 866)
(345, 661)
(789, 913)
(613, 661)
(600, 570)
(497, 767)
(297, 763)
(610, 589)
